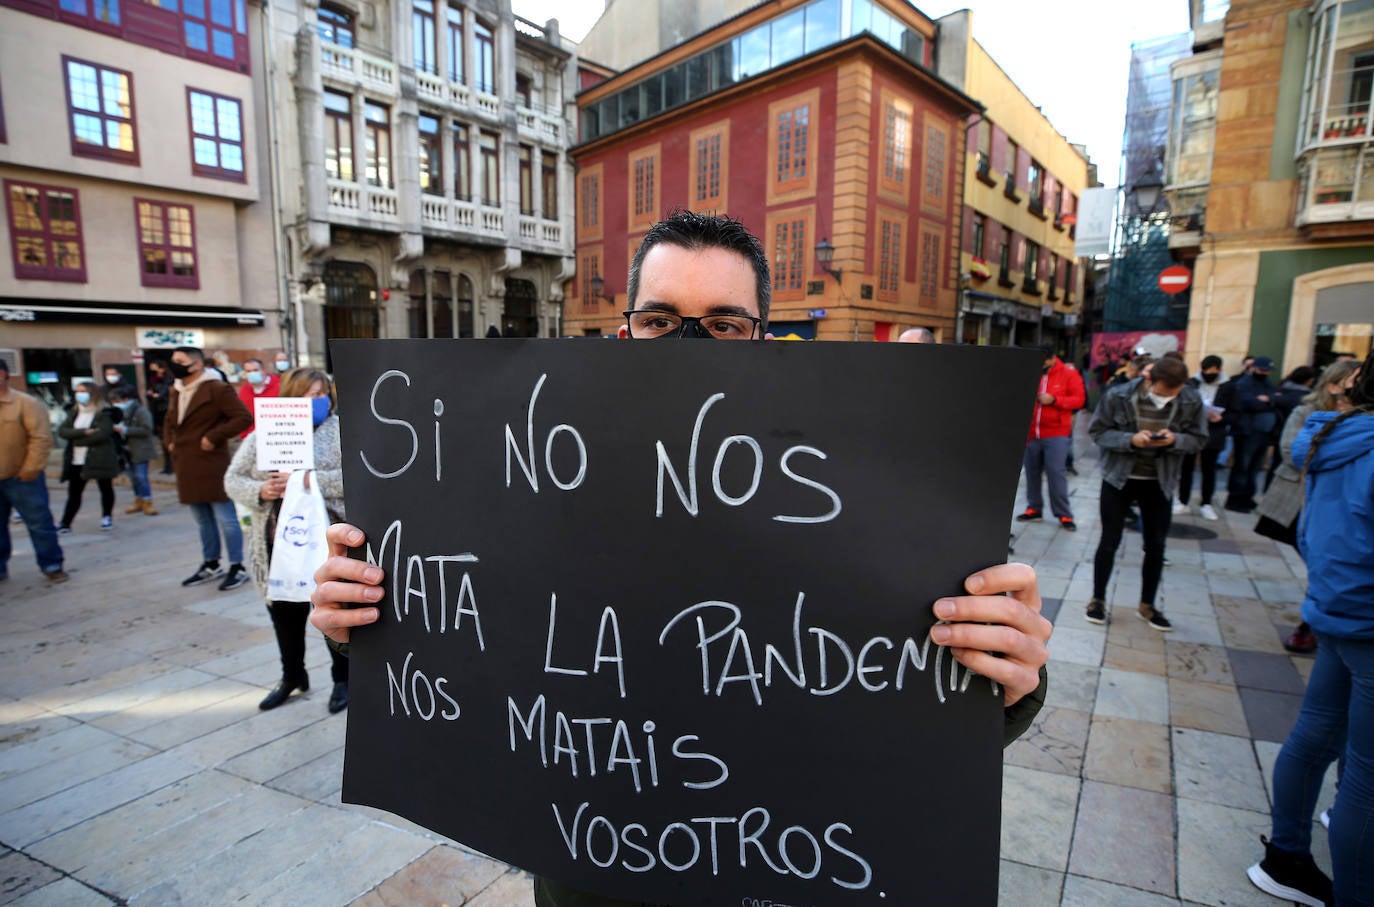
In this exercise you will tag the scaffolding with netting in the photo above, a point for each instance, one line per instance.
(1140, 247)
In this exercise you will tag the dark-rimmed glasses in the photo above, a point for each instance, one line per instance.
(649, 324)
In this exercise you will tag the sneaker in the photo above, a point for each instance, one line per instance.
(1208, 512)
(64, 530)
(57, 576)
(1154, 618)
(1097, 612)
(1180, 508)
(236, 577)
(208, 571)
(1067, 523)
(106, 524)
(1070, 470)
(1030, 515)
(1291, 876)
(1326, 819)
(1302, 641)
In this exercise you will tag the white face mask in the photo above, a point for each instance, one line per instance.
(1159, 401)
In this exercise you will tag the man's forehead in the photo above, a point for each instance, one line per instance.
(697, 281)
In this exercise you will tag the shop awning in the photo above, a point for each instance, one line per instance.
(15, 310)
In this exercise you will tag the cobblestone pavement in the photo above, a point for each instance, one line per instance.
(136, 768)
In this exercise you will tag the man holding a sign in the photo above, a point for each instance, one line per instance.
(692, 277)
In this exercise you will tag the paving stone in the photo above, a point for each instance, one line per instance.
(459, 875)
(282, 754)
(96, 758)
(168, 682)
(170, 707)
(1230, 584)
(320, 779)
(514, 889)
(24, 757)
(1072, 686)
(1215, 845)
(1020, 885)
(1266, 671)
(1125, 658)
(1270, 715)
(1126, 694)
(1082, 647)
(372, 854)
(1129, 753)
(20, 874)
(66, 892)
(1194, 628)
(1037, 817)
(1217, 768)
(1084, 892)
(1055, 742)
(1217, 562)
(1279, 590)
(1245, 624)
(1194, 661)
(1303, 665)
(1125, 835)
(1049, 607)
(1206, 707)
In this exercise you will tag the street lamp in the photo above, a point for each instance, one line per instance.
(598, 288)
(825, 254)
(1147, 191)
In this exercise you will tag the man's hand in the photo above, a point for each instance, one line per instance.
(206, 444)
(987, 624)
(1045, 399)
(1213, 416)
(341, 582)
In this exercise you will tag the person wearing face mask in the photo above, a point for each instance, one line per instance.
(256, 383)
(281, 363)
(1144, 428)
(114, 381)
(1207, 382)
(90, 454)
(261, 494)
(203, 416)
(136, 431)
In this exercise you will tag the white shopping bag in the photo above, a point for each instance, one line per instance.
(299, 547)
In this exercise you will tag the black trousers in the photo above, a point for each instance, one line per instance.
(1209, 476)
(289, 620)
(1155, 514)
(77, 487)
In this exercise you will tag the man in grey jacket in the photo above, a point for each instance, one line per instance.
(1145, 429)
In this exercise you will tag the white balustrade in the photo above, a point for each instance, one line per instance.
(525, 121)
(464, 215)
(381, 203)
(343, 196)
(381, 73)
(430, 86)
(552, 233)
(553, 128)
(486, 104)
(528, 228)
(493, 221)
(434, 211)
(459, 95)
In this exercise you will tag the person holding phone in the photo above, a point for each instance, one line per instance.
(1145, 428)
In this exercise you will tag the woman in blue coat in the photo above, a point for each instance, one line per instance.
(1336, 538)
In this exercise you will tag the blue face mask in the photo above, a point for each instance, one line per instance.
(319, 409)
(83, 397)
(255, 377)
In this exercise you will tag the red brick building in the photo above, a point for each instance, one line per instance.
(808, 121)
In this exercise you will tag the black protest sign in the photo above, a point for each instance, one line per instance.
(656, 615)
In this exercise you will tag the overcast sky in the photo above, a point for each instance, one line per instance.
(1070, 57)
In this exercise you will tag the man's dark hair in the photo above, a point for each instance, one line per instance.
(692, 231)
(1170, 372)
(1303, 374)
(1173, 354)
(194, 352)
(4, 366)
(120, 394)
(1047, 349)
(258, 361)
(1211, 362)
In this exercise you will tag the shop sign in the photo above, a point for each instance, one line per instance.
(164, 338)
(18, 315)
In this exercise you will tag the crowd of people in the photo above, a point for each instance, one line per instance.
(1308, 440)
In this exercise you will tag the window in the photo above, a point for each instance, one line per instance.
(455, 44)
(335, 26)
(95, 13)
(591, 267)
(792, 171)
(338, 136)
(431, 156)
(896, 143)
(216, 135)
(1192, 129)
(936, 155)
(1054, 276)
(484, 58)
(548, 178)
(417, 312)
(1009, 168)
(980, 235)
(209, 27)
(644, 176)
(422, 28)
(1032, 263)
(1004, 258)
(889, 258)
(1035, 183)
(930, 266)
(526, 160)
(984, 147)
(45, 232)
(523, 89)
(465, 306)
(166, 244)
(100, 108)
(708, 168)
(788, 255)
(377, 122)
(462, 161)
(589, 203)
(491, 168)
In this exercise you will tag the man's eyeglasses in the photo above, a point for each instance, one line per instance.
(650, 324)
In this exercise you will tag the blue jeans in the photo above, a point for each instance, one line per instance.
(138, 477)
(206, 516)
(1048, 456)
(1337, 717)
(31, 500)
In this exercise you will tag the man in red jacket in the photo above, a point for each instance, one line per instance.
(1061, 394)
(256, 383)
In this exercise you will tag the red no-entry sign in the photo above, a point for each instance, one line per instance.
(1175, 279)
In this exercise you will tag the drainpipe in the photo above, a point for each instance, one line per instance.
(285, 318)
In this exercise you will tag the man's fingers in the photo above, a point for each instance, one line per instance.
(341, 537)
(1017, 679)
(336, 623)
(1017, 579)
(1026, 645)
(342, 579)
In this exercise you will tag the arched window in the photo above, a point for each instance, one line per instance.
(465, 306)
(335, 24)
(350, 303)
(521, 317)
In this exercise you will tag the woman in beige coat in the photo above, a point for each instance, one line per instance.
(260, 493)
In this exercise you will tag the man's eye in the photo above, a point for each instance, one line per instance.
(657, 324)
